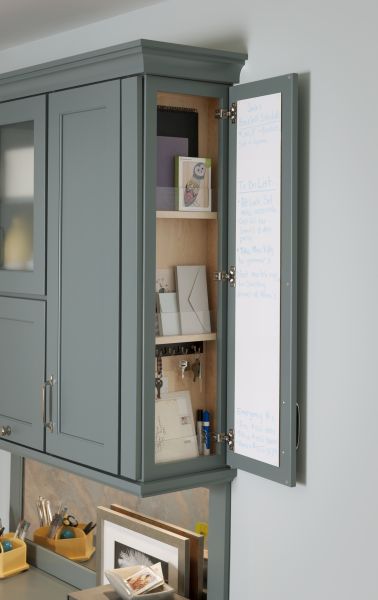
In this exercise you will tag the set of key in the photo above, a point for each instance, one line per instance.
(195, 367)
(159, 375)
(184, 365)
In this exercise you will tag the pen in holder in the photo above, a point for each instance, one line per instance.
(12, 556)
(79, 547)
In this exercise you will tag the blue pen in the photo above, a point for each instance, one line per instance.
(206, 432)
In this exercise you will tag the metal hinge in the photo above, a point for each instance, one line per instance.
(227, 438)
(229, 276)
(224, 113)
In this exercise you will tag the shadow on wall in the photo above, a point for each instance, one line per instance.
(303, 232)
(231, 43)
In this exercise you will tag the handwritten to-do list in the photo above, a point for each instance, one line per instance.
(257, 304)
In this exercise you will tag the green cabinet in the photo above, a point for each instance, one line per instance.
(83, 274)
(162, 178)
(22, 366)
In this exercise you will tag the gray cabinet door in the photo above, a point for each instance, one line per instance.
(22, 195)
(22, 365)
(261, 399)
(83, 274)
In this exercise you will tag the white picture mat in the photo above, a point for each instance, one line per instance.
(115, 533)
(258, 272)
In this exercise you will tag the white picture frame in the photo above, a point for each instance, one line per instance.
(138, 541)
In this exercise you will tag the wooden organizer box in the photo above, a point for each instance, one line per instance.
(13, 561)
(80, 548)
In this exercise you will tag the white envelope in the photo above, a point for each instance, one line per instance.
(175, 436)
(169, 322)
(192, 299)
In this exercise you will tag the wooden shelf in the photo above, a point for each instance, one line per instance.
(177, 214)
(181, 339)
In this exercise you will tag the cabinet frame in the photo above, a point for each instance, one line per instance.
(149, 469)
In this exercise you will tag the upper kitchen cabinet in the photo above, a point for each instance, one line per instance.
(22, 196)
(171, 263)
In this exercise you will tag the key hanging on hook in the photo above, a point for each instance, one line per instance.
(159, 375)
(184, 365)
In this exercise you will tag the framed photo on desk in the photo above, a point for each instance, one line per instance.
(196, 542)
(124, 541)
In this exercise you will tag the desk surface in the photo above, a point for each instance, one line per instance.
(37, 585)
(103, 592)
(34, 585)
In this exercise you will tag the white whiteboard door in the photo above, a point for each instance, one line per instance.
(262, 306)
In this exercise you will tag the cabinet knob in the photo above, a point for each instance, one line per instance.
(5, 431)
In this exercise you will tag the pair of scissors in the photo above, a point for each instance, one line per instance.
(70, 521)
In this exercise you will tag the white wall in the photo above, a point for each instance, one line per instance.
(4, 487)
(318, 540)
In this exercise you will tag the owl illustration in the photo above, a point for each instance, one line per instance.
(192, 187)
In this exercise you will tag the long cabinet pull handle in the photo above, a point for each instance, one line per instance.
(47, 422)
(298, 427)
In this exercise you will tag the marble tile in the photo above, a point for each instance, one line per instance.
(82, 496)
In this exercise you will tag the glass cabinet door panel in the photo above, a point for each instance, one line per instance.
(22, 195)
(186, 291)
(17, 195)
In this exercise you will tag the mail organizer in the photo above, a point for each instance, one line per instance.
(79, 548)
(12, 561)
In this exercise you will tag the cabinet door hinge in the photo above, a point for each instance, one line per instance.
(229, 276)
(224, 113)
(226, 438)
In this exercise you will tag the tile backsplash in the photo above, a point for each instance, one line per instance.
(82, 496)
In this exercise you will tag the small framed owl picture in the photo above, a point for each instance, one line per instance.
(193, 183)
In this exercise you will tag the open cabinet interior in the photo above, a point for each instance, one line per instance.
(186, 290)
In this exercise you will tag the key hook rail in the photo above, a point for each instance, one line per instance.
(164, 350)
